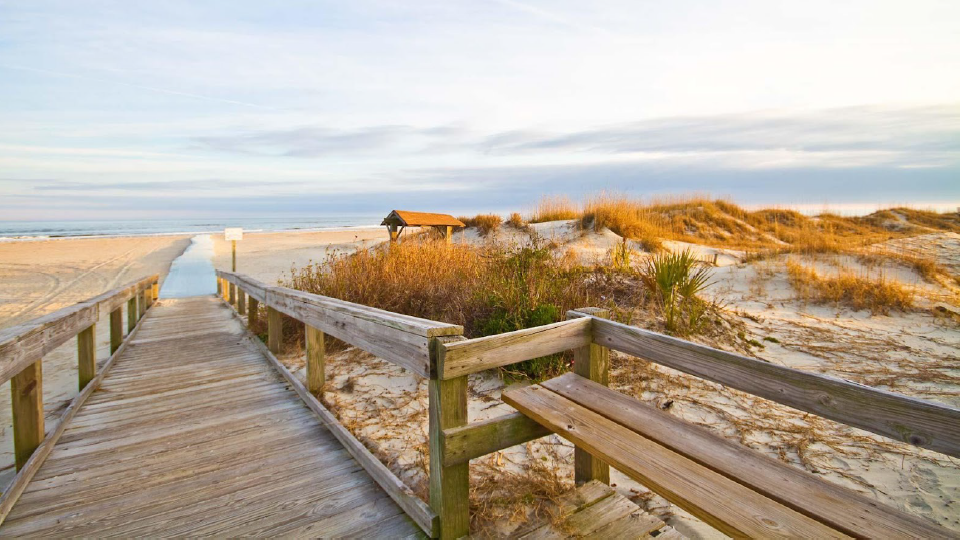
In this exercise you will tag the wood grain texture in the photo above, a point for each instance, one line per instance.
(724, 504)
(241, 302)
(12, 493)
(315, 360)
(474, 355)
(424, 517)
(461, 444)
(26, 397)
(274, 330)
(253, 311)
(449, 485)
(592, 362)
(838, 507)
(86, 356)
(192, 436)
(131, 314)
(911, 420)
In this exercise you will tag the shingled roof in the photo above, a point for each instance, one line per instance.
(420, 219)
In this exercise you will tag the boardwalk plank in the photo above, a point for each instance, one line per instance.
(193, 433)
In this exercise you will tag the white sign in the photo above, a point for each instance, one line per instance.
(233, 233)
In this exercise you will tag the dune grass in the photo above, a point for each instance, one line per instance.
(485, 223)
(854, 290)
(555, 208)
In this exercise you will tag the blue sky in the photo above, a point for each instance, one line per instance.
(123, 109)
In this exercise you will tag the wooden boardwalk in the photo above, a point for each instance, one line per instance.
(192, 432)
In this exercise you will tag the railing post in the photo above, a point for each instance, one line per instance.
(141, 303)
(449, 486)
(87, 355)
(253, 311)
(233, 294)
(116, 330)
(219, 286)
(155, 291)
(226, 290)
(241, 301)
(26, 393)
(131, 313)
(315, 360)
(274, 329)
(593, 362)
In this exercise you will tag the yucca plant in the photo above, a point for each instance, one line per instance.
(676, 280)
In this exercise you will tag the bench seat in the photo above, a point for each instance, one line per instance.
(737, 490)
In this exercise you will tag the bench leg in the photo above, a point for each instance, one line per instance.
(591, 362)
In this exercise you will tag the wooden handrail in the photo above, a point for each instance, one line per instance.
(401, 339)
(24, 344)
(902, 418)
(23, 347)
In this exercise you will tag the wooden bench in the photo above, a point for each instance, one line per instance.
(740, 492)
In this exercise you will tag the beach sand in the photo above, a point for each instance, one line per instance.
(269, 257)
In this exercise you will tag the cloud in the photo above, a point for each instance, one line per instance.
(919, 129)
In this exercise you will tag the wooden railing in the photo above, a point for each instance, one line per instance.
(23, 347)
(439, 352)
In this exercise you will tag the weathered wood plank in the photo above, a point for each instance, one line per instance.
(591, 361)
(131, 314)
(911, 420)
(422, 514)
(449, 485)
(473, 355)
(724, 504)
(315, 360)
(274, 330)
(241, 301)
(37, 458)
(253, 311)
(827, 502)
(461, 444)
(86, 356)
(26, 395)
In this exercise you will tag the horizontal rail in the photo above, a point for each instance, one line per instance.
(461, 444)
(910, 420)
(27, 343)
(401, 339)
(419, 511)
(12, 492)
(480, 354)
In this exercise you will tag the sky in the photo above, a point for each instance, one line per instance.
(133, 109)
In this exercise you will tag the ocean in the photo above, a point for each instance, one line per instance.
(42, 230)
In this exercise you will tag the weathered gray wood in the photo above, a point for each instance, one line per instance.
(28, 343)
(199, 436)
(141, 304)
(116, 330)
(838, 507)
(733, 509)
(449, 485)
(422, 514)
(461, 444)
(26, 396)
(86, 356)
(315, 360)
(911, 420)
(274, 330)
(364, 330)
(473, 355)
(591, 361)
(37, 458)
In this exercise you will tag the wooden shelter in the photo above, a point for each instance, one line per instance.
(398, 219)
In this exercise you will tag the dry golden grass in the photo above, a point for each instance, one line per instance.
(555, 208)
(857, 291)
(516, 221)
(485, 223)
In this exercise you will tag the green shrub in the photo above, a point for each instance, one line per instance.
(676, 280)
